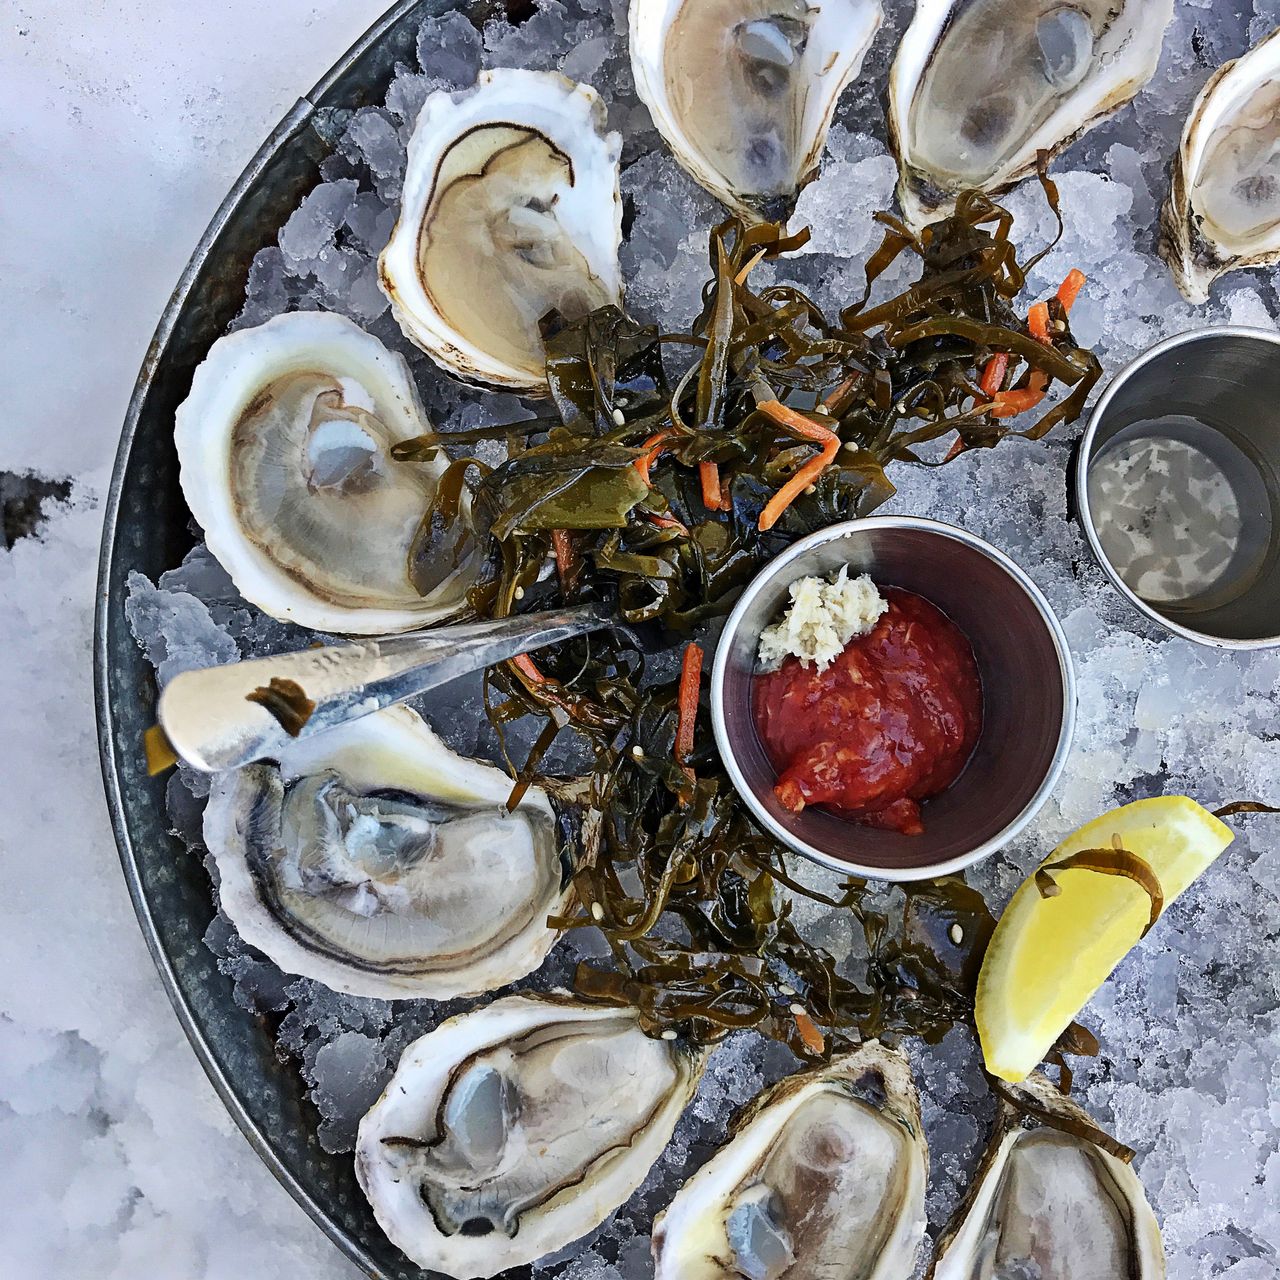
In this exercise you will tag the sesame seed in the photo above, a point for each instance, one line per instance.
(798, 1009)
(668, 1034)
(852, 446)
(597, 911)
(787, 989)
(519, 593)
(813, 488)
(619, 418)
(822, 408)
(956, 934)
(638, 751)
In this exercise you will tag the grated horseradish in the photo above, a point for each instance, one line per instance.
(822, 618)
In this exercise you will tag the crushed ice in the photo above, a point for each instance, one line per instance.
(1190, 1067)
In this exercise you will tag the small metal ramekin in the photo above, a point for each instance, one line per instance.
(1028, 689)
(1219, 374)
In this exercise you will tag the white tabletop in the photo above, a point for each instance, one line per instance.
(122, 125)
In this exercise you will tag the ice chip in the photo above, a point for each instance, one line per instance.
(315, 222)
(449, 51)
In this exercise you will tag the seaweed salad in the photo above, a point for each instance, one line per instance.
(673, 467)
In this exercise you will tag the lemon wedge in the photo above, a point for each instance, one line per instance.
(1048, 956)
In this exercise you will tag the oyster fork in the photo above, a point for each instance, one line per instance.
(223, 717)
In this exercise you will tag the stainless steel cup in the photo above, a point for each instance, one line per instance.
(1028, 693)
(1215, 394)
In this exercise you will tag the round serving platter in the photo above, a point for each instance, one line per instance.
(147, 528)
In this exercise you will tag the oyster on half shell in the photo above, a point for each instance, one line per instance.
(284, 444)
(375, 860)
(511, 213)
(1223, 210)
(512, 1130)
(824, 1177)
(743, 91)
(1048, 1200)
(980, 87)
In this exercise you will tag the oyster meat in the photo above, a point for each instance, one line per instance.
(510, 1131)
(980, 87)
(1223, 210)
(285, 450)
(511, 215)
(1049, 1201)
(825, 1177)
(372, 858)
(743, 91)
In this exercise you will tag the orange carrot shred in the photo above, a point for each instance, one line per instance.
(709, 474)
(653, 448)
(687, 703)
(1008, 404)
(1069, 289)
(810, 1035)
(837, 397)
(990, 383)
(666, 522)
(525, 665)
(798, 483)
(804, 427)
(993, 374)
(807, 429)
(1038, 322)
(562, 546)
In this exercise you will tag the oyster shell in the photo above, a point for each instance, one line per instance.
(512, 1130)
(743, 91)
(511, 211)
(375, 860)
(284, 446)
(980, 87)
(1050, 1201)
(1223, 210)
(816, 1182)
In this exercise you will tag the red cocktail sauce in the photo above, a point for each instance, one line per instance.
(892, 721)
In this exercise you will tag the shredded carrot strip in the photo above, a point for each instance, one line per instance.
(653, 448)
(687, 703)
(562, 545)
(798, 484)
(807, 474)
(809, 1033)
(991, 382)
(525, 666)
(1069, 289)
(709, 474)
(836, 397)
(1009, 404)
(993, 374)
(804, 427)
(1038, 322)
(666, 522)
